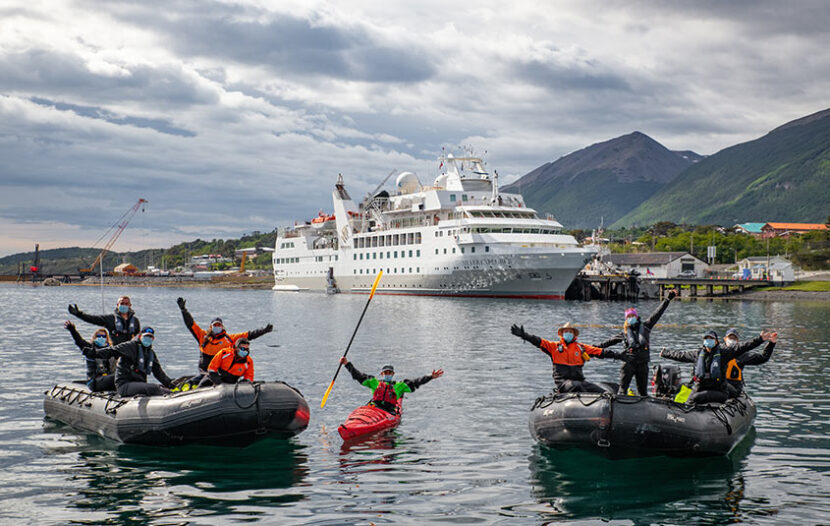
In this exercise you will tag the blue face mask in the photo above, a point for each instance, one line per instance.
(217, 329)
(631, 320)
(100, 341)
(568, 337)
(123, 309)
(147, 341)
(242, 353)
(386, 377)
(709, 342)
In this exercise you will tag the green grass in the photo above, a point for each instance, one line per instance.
(806, 286)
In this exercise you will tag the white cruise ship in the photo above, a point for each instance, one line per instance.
(456, 237)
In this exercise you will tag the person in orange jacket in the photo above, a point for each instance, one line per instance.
(217, 339)
(230, 365)
(568, 357)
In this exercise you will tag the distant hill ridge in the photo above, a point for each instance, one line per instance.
(603, 181)
(782, 176)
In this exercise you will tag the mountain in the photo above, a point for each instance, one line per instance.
(605, 180)
(782, 176)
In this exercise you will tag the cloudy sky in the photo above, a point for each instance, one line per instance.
(231, 117)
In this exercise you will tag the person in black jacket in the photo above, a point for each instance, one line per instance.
(100, 373)
(386, 391)
(122, 326)
(734, 369)
(710, 368)
(136, 359)
(636, 336)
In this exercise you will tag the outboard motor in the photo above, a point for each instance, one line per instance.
(666, 380)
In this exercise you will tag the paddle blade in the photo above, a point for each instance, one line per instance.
(375, 285)
(326, 396)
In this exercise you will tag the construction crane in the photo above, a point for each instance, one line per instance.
(118, 227)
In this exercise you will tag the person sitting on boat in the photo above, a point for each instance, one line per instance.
(734, 369)
(122, 326)
(100, 373)
(217, 339)
(710, 361)
(636, 335)
(568, 357)
(230, 365)
(136, 359)
(385, 390)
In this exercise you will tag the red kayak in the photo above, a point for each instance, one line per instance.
(368, 419)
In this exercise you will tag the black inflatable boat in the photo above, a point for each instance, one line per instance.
(627, 426)
(227, 414)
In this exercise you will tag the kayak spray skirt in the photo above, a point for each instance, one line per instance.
(226, 414)
(630, 426)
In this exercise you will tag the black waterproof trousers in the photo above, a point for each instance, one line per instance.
(102, 383)
(144, 388)
(708, 397)
(640, 372)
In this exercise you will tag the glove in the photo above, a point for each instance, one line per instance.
(614, 355)
(206, 380)
(268, 328)
(68, 325)
(518, 331)
(73, 309)
(181, 302)
(672, 294)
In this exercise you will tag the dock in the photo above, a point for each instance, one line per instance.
(629, 287)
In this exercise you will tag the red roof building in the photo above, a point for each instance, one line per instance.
(785, 229)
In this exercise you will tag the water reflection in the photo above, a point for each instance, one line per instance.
(577, 484)
(140, 484)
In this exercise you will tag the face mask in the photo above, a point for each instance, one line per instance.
(123, 309)
(631, 320)
(709, 342)
(242, 353)
(146, 341)
(568, 336)
(100, 341)
(217, 329)
(386, 377)
(731, 342)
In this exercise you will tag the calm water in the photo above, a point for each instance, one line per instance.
(463, 453)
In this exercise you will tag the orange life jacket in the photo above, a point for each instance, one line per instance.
(733, 371)
(224, 361)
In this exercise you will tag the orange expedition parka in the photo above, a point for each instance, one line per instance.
(574, 353)
(229, 370)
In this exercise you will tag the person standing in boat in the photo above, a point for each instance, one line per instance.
(636, 336)
(100, 373)
(385, 390)
(710, 368)
(228, 366)
(734, 369)
(568, 357)
(122, 326)
(217, 339)
(136, 359)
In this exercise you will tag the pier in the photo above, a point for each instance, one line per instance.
(629, 287)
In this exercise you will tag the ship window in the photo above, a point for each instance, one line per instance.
(464, 197)
(410, 270)
(361, 271)
(436, 233)
(355, 271)
(388, 254)
(452, 198)
(374, 255)
(409, 239)
(374, 242)
(453, 250)
(361, 256)
(418, 269)
(395, 239)
(396, 253)
(389, 241)
(445, 251)
(355, 256)
(381, 255)
(473, 250)
(417, 238)
(418, 253)
(462, 250)
(486, 248)
(436, 251)
(335, 257)
(381, 240)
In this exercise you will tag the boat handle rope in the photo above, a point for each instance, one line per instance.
(604, 431)
(255, 385)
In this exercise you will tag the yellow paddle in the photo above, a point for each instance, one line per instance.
(371, 295)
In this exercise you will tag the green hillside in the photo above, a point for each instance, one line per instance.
(783, 176)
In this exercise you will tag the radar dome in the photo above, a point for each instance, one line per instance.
(407, 183)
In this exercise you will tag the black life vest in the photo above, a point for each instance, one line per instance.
(126, 329)
(713, 373)
(144, 362)
(385, 393)
(637, 340)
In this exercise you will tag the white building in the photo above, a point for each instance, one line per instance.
(659, 264)
(780, 269)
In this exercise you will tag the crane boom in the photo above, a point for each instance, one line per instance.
(119, 227)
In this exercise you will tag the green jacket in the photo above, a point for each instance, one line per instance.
(403, 386)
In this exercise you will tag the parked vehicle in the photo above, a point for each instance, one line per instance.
(687, 274)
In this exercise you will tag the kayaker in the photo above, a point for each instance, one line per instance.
(385, 390)
(229, 365)
(136, 359)
(100, 373)
(636, 336)
(122, 326)
(710, 368)
(217, 339)
(734, 369)
(568, 357)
